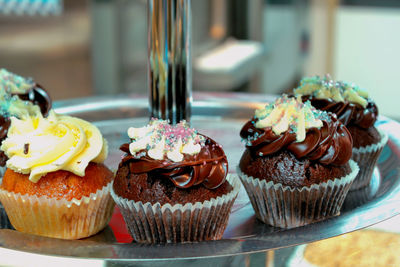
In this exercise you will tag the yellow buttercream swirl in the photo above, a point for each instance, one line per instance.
(289, 114)
(326, 88)
(37, 145)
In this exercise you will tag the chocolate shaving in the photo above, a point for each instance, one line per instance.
(26, 148)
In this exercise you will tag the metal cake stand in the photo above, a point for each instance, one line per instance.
(220, 116)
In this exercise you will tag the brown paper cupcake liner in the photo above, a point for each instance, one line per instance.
(156, 223)
(366, 158)
(59, 218)
(288, 207)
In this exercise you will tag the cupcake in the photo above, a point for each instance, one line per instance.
(56, 184)
(19, 97)
(354, 109)
(296, 167)
(171, 185)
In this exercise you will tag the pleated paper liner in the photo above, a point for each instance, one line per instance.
(288, 207)
(59, 218)
(179, 223)
(366, 158)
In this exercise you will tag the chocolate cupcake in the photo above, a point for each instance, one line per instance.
(171, 185)
(296, 167)
(354, 109)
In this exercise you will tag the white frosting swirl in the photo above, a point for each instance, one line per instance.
(37, 145)
(159, 139)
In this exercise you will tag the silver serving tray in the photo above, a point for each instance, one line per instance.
(221, 117)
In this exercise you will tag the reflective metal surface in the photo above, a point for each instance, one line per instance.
(169, 59)
(220, 116)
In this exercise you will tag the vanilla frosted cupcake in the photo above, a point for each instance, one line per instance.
(357, 111)
(172, 186)
(56, 184)
(296, 167)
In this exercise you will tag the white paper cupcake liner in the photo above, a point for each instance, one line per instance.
(156, 223)
(59, 218)
(366, 158)
(288, 207)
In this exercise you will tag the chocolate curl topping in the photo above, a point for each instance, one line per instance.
(348, 113)
(209, 167)
(331, 144)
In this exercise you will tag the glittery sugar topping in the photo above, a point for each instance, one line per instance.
(14, 84)
(326, 88)
(159, 139)
(289, 114)
(10, 104)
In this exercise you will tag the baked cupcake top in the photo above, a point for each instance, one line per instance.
(21, 98)
(289, 124)
(348, 101)
(36, 145)
(176, 152)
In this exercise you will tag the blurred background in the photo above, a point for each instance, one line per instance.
(82, 48)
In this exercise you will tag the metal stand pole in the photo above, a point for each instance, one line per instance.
(169, 59)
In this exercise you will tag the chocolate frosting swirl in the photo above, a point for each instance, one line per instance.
(38, 96)
(209, 167)
(331, 144)
(348, 113)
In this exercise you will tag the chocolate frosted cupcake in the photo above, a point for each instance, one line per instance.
(296, 167)
(171, 185)
(354, 109)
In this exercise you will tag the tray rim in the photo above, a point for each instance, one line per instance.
(250, 244)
